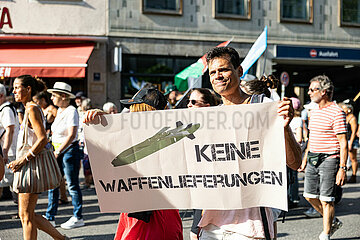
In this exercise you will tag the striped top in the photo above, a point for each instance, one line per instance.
(324, 125)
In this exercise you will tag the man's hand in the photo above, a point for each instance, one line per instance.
(340, 177)
(285, 109)
(303, 165)
(90, 115)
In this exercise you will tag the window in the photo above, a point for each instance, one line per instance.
(155, 69)
(296, 11)
(350, 12)
(50, 1)
(173, 7)
(232, 9)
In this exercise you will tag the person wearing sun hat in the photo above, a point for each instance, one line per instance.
(67, 152)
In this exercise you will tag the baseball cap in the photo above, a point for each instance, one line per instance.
(169, 89)
(80, 94)
(150, 96)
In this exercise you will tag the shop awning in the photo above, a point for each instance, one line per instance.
(44, 60)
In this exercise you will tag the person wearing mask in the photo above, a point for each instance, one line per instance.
(156, 224)
(25, 88)
(64, 138)
(9, 128)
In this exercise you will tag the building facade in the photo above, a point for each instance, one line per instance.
(105, 48)
(159, 38)
(56, 41)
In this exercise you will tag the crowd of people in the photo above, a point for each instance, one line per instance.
(321, 139)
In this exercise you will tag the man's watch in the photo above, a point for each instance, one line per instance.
(57, 152)
(344, 168)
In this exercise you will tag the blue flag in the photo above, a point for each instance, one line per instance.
(257, 49)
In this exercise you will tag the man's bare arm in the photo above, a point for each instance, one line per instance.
(293, 149)
(341, 175)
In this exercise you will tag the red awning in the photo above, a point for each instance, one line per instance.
(44, 60)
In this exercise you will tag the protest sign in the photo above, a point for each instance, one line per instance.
(225, 157)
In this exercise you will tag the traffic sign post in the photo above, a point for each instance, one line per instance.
(284, 79)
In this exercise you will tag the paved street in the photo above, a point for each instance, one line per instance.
(102, 226)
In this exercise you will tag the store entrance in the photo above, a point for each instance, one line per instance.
(346, 77)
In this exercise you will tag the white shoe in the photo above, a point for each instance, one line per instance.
(324, 236)
(52, 222)
(73, 222)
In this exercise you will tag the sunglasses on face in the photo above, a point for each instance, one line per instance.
(194, 102)
(314, 89)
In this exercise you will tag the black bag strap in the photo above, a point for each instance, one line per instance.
(259, 99)
(265, 223)
(11, 107)
(14, 112)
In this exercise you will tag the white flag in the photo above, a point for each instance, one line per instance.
(255, 52)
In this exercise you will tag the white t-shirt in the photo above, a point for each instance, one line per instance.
(295, 123)
(65, 119)
(7, 118)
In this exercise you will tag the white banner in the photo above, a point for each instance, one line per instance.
(226, 157)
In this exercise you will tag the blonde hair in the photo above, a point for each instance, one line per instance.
(141, 107)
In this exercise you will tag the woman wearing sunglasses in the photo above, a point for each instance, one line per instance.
(202, 97)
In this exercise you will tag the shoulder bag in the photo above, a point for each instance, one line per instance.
(39, 174)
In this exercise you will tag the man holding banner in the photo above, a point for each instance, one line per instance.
(249, 223)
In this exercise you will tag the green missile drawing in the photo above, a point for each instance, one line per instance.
(160, 140)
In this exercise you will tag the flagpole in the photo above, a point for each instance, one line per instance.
(264, 61)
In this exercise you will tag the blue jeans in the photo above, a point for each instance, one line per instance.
(71, 166)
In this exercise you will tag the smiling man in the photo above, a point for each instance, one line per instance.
(225, 72)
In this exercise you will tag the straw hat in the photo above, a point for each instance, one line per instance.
(62, 88)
